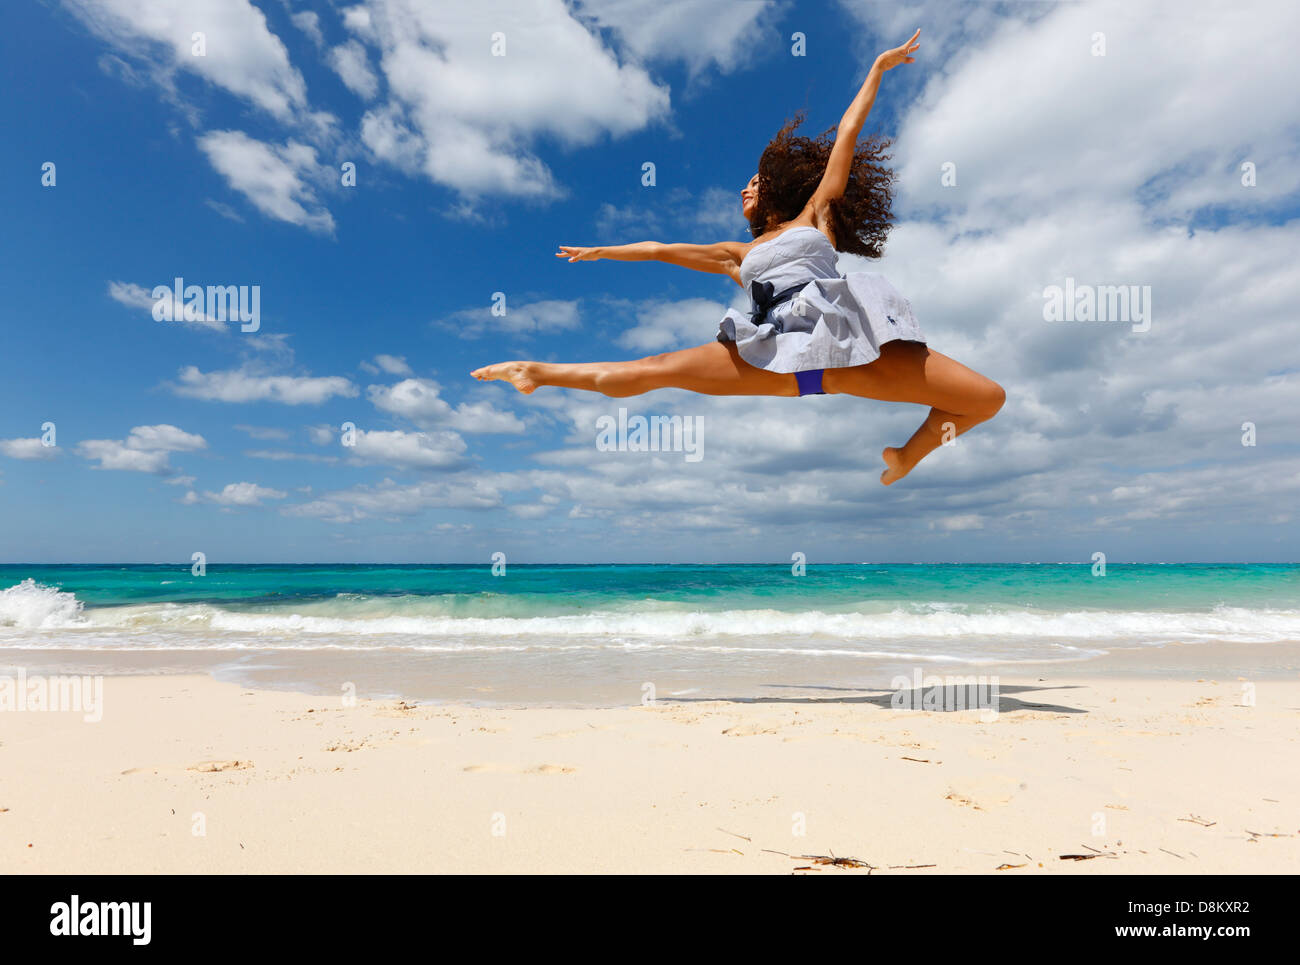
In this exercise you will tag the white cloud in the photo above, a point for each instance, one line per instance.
(669, 325)
(130, 294)
(1051, 142)
(263, 432)
(466, 118)
(285, 455)
(531, 318)
(225, 210)
(277, 179)
(418, 400)
(137, 296)
(145, 449)
(320, 435)
(113, 454)
(350, 62)
(390, 500)
(236, 494)
(241, 54)
(164, 437)
(244, 385)
(308, 21)
(675, 214)
(701, 33)
(27, 449)
(962, 521)
(408, 450)
(392, 364)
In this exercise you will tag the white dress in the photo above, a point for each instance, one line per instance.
(805, 315)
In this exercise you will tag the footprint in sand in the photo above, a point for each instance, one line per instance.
(507, 769)
(348, 746)
(204, 767)
(208, 767)
(989, 791)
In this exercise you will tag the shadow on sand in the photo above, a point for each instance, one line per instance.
(940, 699)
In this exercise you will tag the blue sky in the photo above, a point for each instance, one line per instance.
(1114, 168)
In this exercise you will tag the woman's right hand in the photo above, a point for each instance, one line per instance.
(574, 253)
(899, 55)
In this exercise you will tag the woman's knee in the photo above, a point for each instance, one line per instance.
(991, 400)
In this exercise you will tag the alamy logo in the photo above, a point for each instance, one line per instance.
(1098, 303)
(84, 695)
(215, 303)
(131, 918)
(659, 433)
(948, 693)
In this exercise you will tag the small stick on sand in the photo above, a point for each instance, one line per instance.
(834, 861)
(734, 834)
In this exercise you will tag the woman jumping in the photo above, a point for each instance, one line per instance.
(810, 330)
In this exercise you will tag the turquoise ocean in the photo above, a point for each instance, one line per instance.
(572, 627)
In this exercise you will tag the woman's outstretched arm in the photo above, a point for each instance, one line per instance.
(836, 177)
(722, 258)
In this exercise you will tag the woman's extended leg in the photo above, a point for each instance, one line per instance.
(960, 398)
(712, 369)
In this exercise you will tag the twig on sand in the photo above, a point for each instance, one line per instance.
(1176, 855)
(718, 850)
(734, 834)
(1194, 819)
(1089, 857)
(830, 859)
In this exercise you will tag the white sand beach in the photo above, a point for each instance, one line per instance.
(187, 774)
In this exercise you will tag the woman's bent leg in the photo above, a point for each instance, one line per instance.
(960, 398)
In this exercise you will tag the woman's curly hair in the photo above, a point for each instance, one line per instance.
(790, 170)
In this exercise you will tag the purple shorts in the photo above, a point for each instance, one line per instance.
(810, 382)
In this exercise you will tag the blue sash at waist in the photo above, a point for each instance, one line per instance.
(765, 299)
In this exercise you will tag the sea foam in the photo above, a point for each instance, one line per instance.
(34, 606)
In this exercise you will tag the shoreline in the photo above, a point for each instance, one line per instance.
(1151, 776)
(484, 681)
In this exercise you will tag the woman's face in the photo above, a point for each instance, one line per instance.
(749, 197)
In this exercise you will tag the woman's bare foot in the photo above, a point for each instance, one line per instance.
(898, 467)
(518, 374)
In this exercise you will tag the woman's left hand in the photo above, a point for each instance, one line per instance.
(899, 55)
